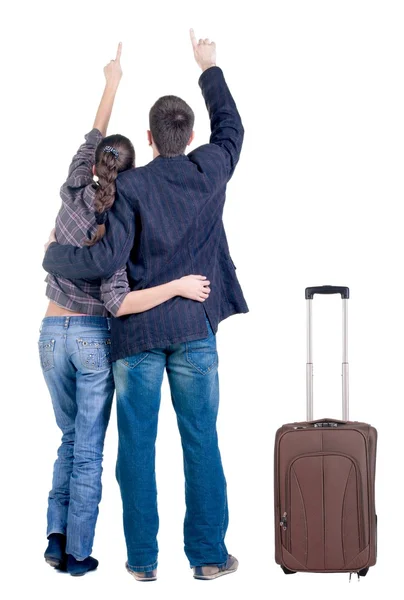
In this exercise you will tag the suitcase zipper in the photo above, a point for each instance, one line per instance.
(288, 508)
(287, 514)
(284, 525)
(284, 521)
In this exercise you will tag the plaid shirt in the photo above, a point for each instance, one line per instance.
(74, 223)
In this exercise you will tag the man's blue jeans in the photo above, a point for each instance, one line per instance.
(192, 369)
(75, 359)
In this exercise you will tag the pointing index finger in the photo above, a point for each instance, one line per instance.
(119, 52)
(193, 38)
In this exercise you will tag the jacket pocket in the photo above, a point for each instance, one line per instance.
(229, 258)
(95, 353)
(46, 354)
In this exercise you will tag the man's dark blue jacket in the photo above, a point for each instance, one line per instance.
(166, 222)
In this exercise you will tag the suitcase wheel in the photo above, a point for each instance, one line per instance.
(363, 572)
(288, 571)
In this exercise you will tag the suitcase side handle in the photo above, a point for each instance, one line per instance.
(327, 289)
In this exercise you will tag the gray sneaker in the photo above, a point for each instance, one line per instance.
(213, 571)
(142, 575)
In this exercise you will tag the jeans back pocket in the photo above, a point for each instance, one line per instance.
(46, 353)
(95, 353)
(202, 354)
(133, 361)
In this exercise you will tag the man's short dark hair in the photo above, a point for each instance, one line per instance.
(171, 124)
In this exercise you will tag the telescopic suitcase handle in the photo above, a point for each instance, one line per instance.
(344, 292)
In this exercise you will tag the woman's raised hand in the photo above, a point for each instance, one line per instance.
(113, 70)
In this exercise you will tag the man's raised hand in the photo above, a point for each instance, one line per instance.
(204, 51)
(113, 70)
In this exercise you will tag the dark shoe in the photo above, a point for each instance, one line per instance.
(55, 552)
(77, 568)
(214, 571)
(143, 575)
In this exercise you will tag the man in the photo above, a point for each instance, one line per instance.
(166, 222)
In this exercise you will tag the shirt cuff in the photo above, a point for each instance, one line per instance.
(114, 304)
(93, 137)
(210, 73)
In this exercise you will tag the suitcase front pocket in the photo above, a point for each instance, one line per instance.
(323, 520)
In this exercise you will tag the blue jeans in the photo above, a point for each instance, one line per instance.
(192, 369)
(75, 360)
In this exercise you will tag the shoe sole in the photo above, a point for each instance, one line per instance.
(54, 562)
(83, 573)
(216, 575)
(141, 579)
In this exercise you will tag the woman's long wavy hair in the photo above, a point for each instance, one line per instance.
(120, 156)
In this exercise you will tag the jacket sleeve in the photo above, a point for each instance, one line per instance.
(104, 258)
(227, 131)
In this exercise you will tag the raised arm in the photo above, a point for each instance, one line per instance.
(227, 131)
(81, 168)
(106, 256)
(113, 75)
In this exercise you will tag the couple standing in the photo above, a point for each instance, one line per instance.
(126, 245)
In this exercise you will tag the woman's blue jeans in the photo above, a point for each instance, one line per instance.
(76, 363)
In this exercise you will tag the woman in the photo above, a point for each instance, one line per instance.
(74, 343)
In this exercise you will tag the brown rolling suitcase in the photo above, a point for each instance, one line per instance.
(325, 519)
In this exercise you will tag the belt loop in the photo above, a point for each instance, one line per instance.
(66, 324)
(109, 323)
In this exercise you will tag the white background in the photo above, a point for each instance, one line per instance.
(316, 199)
